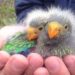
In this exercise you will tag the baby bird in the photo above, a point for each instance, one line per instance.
(50, 32)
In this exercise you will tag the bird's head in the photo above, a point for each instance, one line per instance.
(36, 27)
(59, 29)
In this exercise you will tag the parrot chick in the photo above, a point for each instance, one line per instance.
(56, 31)
(20, 39)
(47, 32)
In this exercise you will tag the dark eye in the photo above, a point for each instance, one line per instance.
(40, 28)
(66, 26)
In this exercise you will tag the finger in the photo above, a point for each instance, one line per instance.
(35, 61)
(15, 66)
(70, 63)
(4, 56)
(2, 41)
(55, 66)
(41, 71)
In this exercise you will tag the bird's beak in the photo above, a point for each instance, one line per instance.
(54, 29)
(32, 33)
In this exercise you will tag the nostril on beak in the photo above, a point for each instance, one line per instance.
(59, 30)
(35, 32)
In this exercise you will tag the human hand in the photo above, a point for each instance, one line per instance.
(33, 65)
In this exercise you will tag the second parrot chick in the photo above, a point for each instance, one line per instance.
(56, 31)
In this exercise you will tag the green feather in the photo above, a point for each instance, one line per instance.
(18, 43)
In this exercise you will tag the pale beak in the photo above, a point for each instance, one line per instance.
(54, 29)
(32, 33)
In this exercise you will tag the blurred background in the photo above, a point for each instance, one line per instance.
(7, 12)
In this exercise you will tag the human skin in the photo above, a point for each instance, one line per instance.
(33, 65)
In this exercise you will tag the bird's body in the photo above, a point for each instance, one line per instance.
(52, 33)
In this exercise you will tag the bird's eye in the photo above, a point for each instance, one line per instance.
(66, 26)
(40, 28)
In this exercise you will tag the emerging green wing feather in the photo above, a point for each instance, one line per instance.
(18, 43)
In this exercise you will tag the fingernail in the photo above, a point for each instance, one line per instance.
(53, 65)
(71, 62)
(19, 63)
(4, 56)
(16, 66)
(41, 71)
(2, 65)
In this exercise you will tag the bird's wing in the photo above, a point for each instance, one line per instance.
(18, 43)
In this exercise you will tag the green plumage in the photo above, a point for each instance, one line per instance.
(18, 43)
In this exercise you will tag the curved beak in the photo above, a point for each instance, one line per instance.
(32, 33)
(54, 29)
